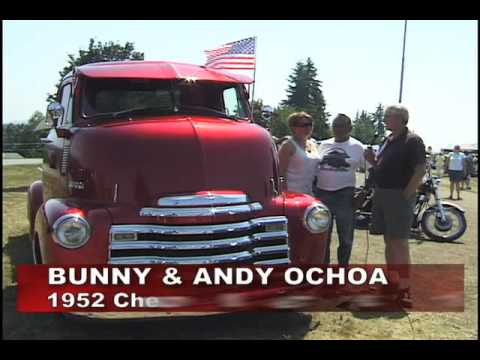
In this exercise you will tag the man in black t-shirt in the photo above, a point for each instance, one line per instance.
(399, 167)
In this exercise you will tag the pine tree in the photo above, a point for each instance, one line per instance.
(304, 94)
(279, 124)
(377, 117)
(364, 127)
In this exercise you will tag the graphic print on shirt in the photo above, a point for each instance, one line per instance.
(335, 160)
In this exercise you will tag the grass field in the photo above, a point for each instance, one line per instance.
(338, 325)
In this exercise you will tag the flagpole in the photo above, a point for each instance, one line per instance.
(403, 62)
(254, 73)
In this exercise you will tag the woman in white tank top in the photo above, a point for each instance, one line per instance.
(299, 155)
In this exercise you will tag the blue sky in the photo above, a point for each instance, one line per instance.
(358, 62)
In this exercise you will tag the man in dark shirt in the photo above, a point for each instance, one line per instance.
(399, 167)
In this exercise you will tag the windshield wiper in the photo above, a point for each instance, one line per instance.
(127, 112)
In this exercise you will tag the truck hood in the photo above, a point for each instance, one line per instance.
(138, 162)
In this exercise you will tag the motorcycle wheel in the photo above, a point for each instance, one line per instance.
(450, 230)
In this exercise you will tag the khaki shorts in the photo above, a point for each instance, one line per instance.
(392, 214)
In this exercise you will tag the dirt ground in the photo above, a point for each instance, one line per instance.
(290, 325)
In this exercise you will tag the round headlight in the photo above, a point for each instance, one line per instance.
(317, 218)
(71, 231)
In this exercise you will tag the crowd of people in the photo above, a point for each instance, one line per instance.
(328, 172)
(460, 167)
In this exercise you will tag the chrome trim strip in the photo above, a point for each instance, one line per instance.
(182, 245)
(204, 211)
(270, 220)
(193, 260)
(270, 250)
(204, 199)
(182, 230)
(115, 194)
(198, 229)
(199, 245)
(273, 262)
(270, 235)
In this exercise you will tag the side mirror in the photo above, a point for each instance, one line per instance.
(54, 112)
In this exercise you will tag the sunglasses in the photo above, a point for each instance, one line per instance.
(304, 125)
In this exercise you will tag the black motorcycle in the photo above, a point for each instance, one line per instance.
(441, 220)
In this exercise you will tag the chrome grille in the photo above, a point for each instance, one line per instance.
(256, 241)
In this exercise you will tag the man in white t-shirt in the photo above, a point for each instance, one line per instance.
(340, 157)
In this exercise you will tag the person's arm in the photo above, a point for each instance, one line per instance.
(465, 165)
(370, 157)
(415, 181)
(417, 156)
(284, 154)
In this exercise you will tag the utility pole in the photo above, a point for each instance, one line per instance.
(403, 62)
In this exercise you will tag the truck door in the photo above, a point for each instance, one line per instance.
(58, 151)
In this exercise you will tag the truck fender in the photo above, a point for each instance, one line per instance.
(305, 247)
(96, 249)
(34, 201)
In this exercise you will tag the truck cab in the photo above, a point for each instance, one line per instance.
(151, 162)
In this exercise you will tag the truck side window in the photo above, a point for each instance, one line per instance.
(233, 107)
(65, 101)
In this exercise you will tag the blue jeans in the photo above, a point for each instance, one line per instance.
(340, 203)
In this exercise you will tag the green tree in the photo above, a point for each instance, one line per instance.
(279, 125)
(257, 114)
(97, 52)
(364, 127)
(377, 118)
(304, 94)
(24, 138)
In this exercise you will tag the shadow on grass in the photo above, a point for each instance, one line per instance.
(19, 250)
(376, 315)
(16, 189)
(421, 238)
(371, 306)
(16, 325)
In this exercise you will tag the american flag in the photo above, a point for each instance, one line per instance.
(237, 55)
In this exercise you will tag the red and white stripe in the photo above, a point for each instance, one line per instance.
(212, 54)
(233, 62)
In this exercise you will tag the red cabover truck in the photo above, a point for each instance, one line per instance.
(151, 162)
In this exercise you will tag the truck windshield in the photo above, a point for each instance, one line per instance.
(108, 99)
